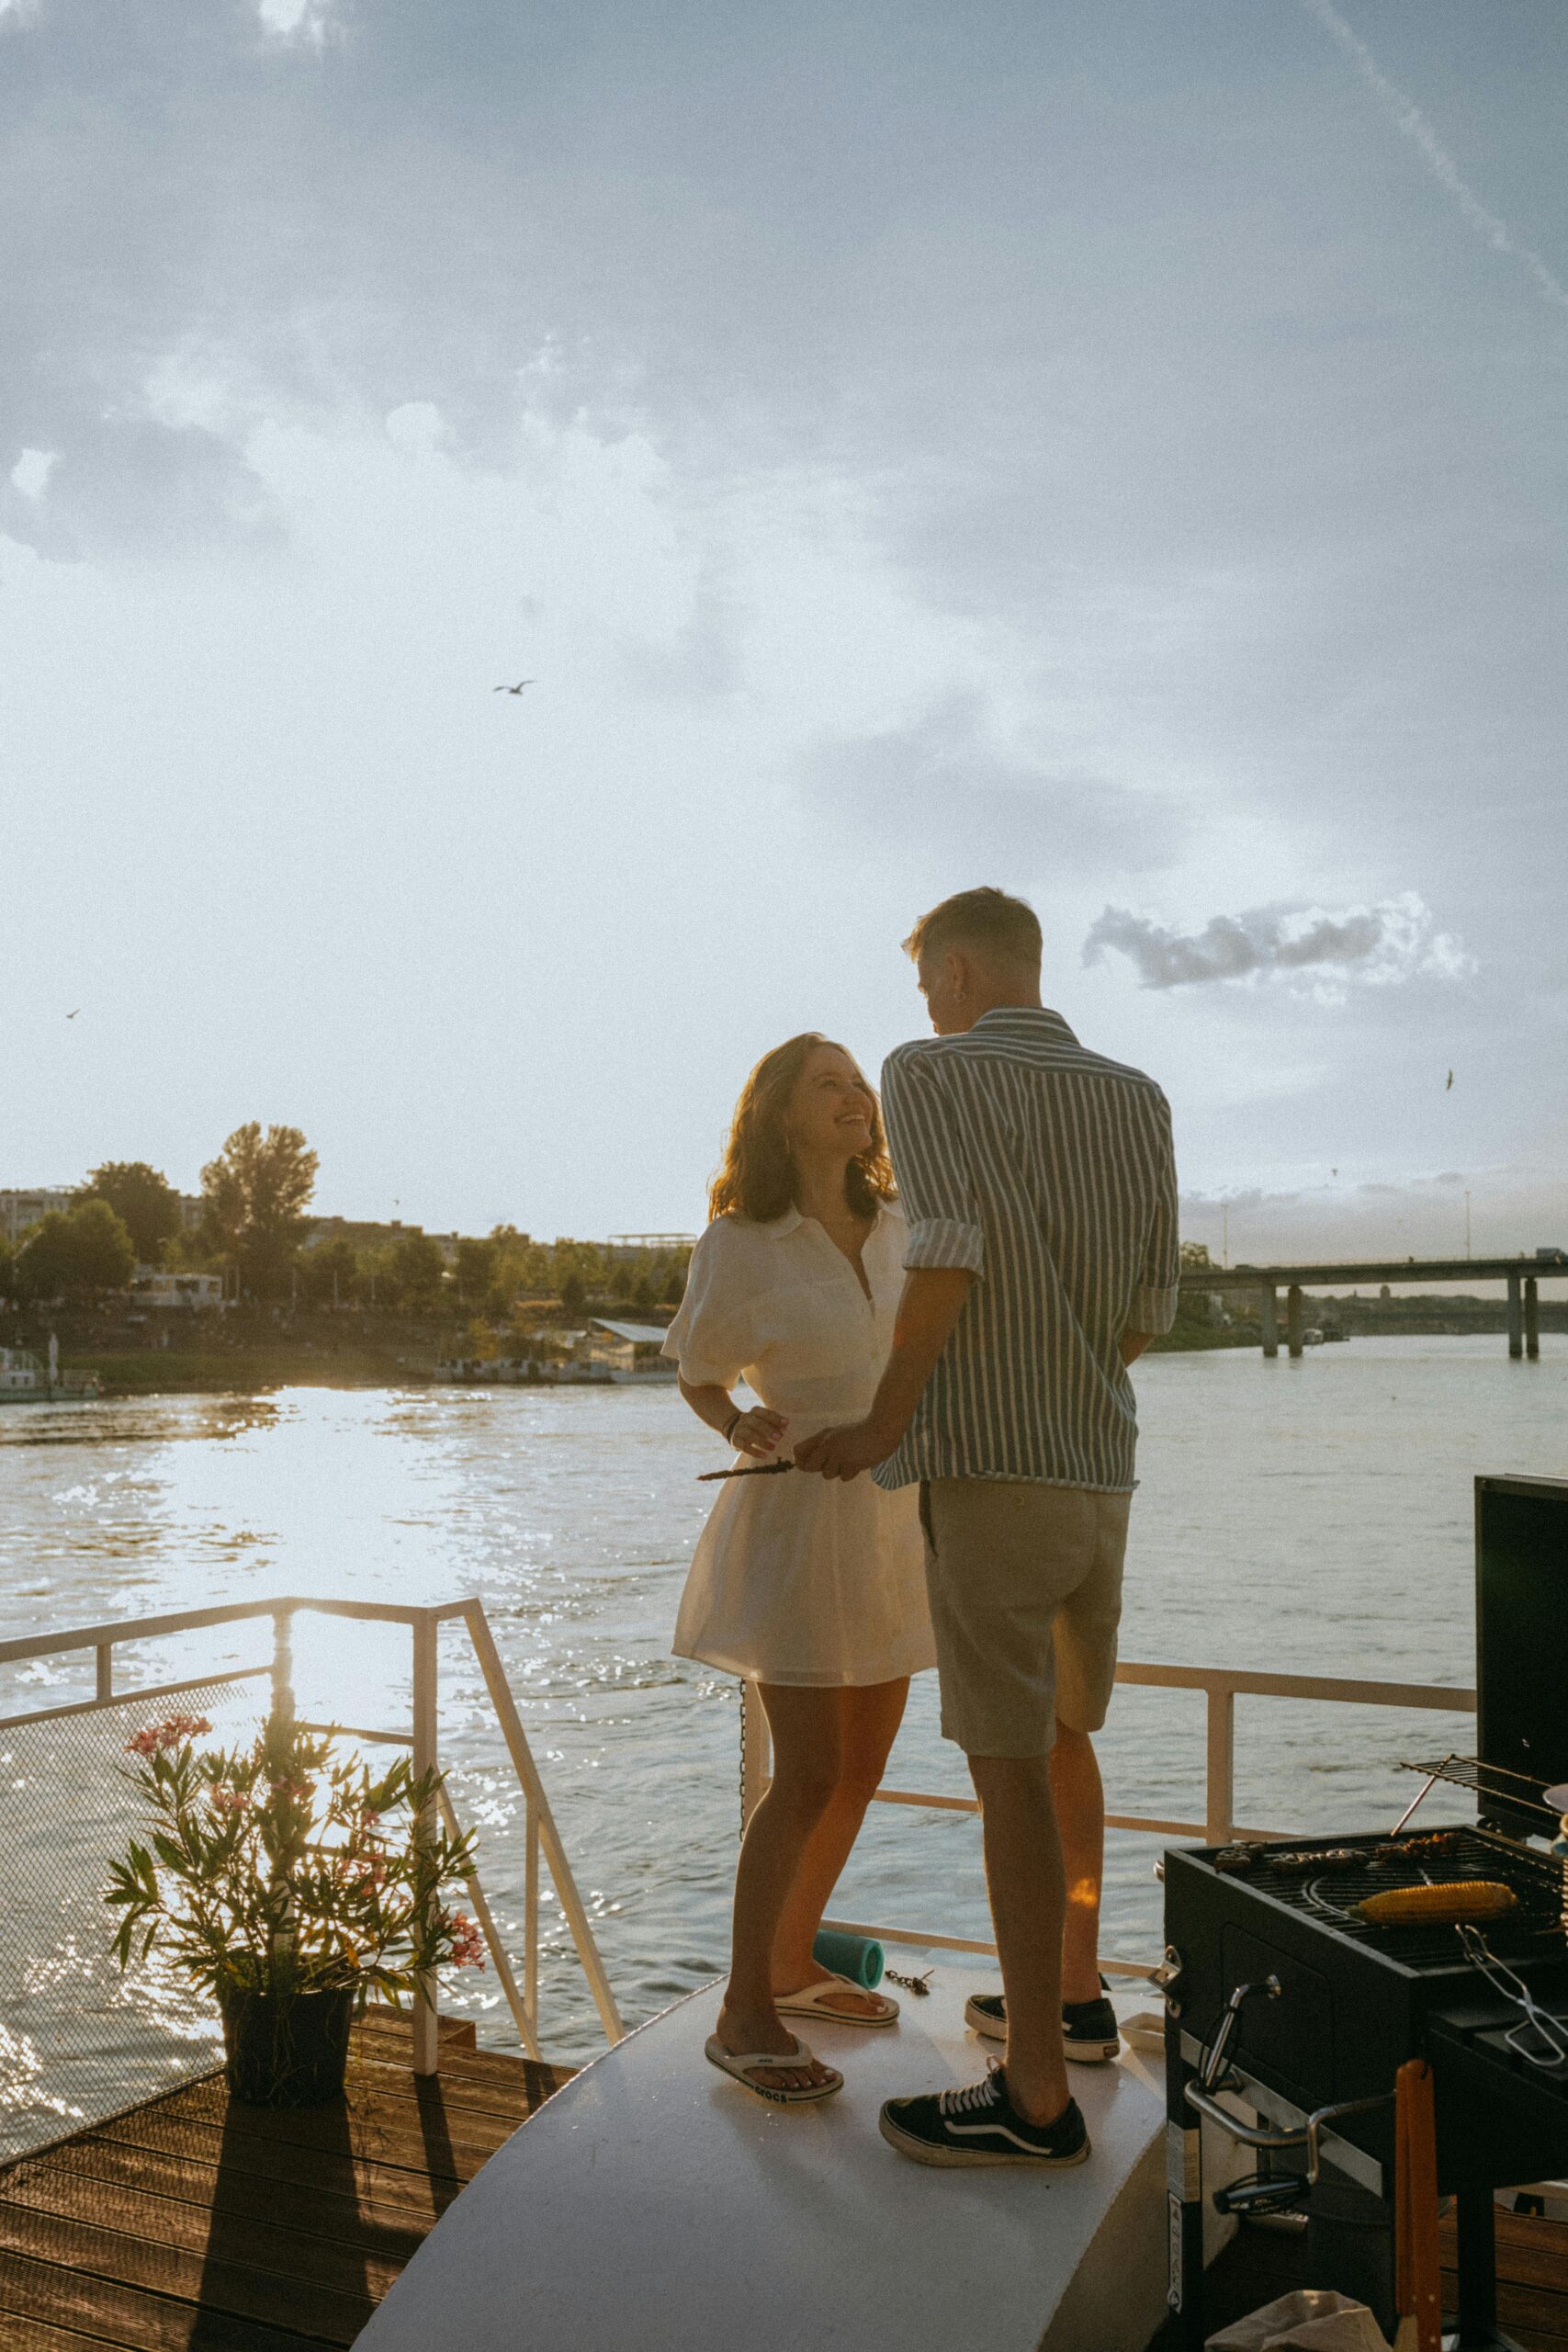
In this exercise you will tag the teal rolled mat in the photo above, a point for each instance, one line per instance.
(857, 1957)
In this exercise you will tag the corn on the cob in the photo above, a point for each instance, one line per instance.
(1446, 1905)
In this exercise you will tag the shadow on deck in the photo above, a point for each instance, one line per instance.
(196, 2224)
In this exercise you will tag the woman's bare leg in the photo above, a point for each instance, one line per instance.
(869, 1717)
(805, 1732)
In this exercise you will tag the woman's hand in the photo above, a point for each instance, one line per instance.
(757, 1434)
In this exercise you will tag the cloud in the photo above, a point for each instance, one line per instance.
(943, 782)
(1380, 946)
(1413, 125)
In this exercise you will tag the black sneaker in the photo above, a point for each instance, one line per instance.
(1089, 2031)
(979, 2125)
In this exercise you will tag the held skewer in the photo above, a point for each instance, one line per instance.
(706, 1477)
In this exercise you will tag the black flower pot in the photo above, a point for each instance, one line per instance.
(285, 2049)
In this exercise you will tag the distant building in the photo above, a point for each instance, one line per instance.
(656, 1245)
(20, 1209)
(21, 1375)
(628, 1351)
(177, 1294)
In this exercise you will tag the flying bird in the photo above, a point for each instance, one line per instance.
(1448, 1088)
(71, 1016)
(517, 689)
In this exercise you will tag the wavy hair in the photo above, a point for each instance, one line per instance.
(758, 1175)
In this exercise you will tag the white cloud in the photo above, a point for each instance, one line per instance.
(32, 472)
(296, 20)
(1379, 945)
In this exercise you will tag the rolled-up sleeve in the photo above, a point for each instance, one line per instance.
(1152, 1307)
(712, 1338)
(931, 1164)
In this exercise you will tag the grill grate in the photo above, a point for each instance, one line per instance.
(1329, 1894)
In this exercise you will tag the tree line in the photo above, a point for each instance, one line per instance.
(255, 1229)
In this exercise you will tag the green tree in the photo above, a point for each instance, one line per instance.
(255, 1195)
(7, 1268)
(478, 1262)
(1195, 1256)
(417, 1270)
(145, 1203)
(77, 1254)
(574, 1292)
(330, 1273)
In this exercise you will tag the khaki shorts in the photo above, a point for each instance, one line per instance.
(1025, 1585)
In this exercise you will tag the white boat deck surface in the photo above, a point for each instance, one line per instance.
(654, 2206)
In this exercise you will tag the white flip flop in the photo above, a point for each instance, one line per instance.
(729, 2061)
(812, 2001)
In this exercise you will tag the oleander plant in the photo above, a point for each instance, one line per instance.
(284, 1868)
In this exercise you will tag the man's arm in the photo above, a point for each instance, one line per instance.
(932, 1304)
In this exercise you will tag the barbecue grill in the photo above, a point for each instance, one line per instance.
(1289, 2012)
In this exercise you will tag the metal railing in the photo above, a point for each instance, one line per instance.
(1221, 1686)
(422, 1736)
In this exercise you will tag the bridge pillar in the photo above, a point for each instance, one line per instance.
(1293, 1318)
(1268, 1317)
(1532, 1317)
(1515, 1319)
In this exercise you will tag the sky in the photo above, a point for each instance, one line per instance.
(1114, 451)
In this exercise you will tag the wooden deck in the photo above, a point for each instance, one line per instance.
(194, 2224)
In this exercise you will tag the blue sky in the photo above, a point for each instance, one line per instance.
(1113, 450)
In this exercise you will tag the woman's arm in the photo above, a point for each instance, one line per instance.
(755, 1432)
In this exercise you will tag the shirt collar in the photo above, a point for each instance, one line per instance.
(1002, 1016)
(777, 1228)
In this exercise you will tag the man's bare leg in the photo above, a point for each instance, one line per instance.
(1078, 1795)
(1024, 1875)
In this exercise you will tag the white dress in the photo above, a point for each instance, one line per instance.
(800, 1578)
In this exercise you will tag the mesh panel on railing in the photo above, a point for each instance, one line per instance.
(78, 2040)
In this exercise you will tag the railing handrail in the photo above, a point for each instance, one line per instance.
(232, 1612)
(1221, 1687)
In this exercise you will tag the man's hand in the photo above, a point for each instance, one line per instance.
(844, 1453)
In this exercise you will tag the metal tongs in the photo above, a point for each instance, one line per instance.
(751, 1470)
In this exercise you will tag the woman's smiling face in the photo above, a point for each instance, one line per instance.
(830, 1107)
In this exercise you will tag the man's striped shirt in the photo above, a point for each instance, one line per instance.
(1048, 1171)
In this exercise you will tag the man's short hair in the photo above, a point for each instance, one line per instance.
(1004, 930)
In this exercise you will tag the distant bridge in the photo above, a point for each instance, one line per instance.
(1521, 1275)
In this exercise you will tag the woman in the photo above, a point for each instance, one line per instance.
(812, 1587)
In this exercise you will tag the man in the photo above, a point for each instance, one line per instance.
(1040, 1186)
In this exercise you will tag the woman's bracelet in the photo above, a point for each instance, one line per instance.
(739, 1415)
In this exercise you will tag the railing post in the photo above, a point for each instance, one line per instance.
(103, 1690)
(426, 1637)
(1219, 1803)
(756, 1754)
(531, 1910)
(283, 1668)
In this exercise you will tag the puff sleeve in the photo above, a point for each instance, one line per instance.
(713, 1337)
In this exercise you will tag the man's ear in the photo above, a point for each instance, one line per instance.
(960, 975)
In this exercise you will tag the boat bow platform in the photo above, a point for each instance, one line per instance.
(655, 2205)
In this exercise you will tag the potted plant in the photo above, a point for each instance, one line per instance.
(292, 1885)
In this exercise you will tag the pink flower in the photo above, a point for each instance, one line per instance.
(294, 1792)
(467, 1944)
(172, 1733)
(229, 1800)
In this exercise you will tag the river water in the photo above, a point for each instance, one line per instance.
(1312, 1516)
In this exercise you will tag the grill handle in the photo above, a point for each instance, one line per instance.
(1213, 2061)
(1308, 2134)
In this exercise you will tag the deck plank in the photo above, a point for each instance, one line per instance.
(193, 2224)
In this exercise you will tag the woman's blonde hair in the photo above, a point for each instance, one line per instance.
(758, 1175)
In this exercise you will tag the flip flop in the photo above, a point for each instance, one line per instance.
(740, 2064)
(811, 2001)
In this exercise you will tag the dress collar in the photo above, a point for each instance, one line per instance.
(777, 1228)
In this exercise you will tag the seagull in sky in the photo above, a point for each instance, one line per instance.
(71, 1016)
(1449, 1087)
(517, 689)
